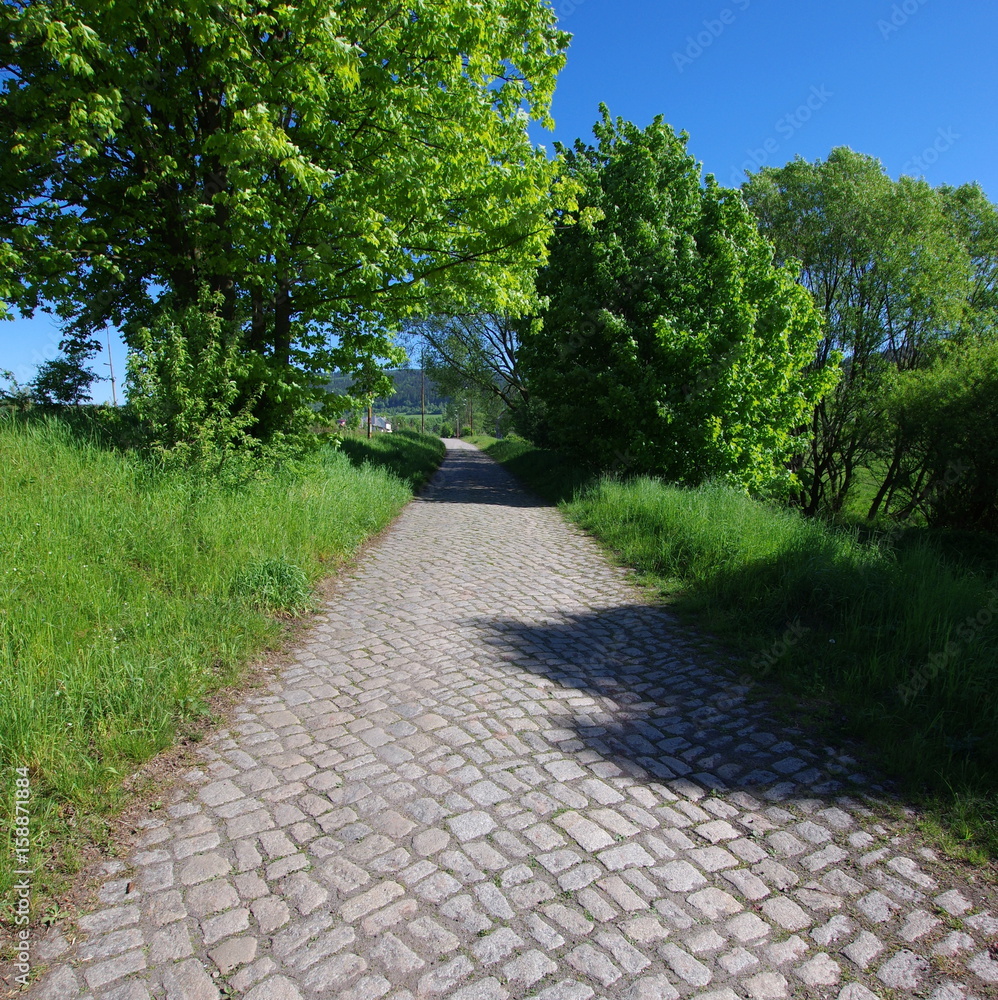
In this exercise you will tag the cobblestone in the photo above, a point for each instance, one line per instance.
(495, 769)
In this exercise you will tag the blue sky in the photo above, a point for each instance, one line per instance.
(756, 82)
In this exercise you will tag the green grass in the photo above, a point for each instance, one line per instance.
(127, 597)
(407, 454)
(893, 638)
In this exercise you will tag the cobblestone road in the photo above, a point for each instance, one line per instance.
(495, 770)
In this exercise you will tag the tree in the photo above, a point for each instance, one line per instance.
(975, 224)
(669, 343)
(475, 349)
(947, 416)
(319, 171)
(882, 264)
(66, 380)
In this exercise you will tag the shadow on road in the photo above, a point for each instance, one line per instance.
(652, 705)
(470, 476)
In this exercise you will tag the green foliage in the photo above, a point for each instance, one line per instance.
(14, 396)
(895, 636)
(275, 585)
(405, 396)
(323, 170)
(472, 357)
(187, 382)
(409, 455)
(669, 343)
(552, 475)
(66, 380)
(884, 265)
(117, 615)
(975, 222)
(946, 415)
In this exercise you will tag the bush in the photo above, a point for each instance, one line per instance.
(948, 416)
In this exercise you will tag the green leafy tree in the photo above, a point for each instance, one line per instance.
(187, 384)
(947, 416)
(66, 380)
(975, 223)
(477, 350)
(320, 171)
(670, 343)
(883, 265)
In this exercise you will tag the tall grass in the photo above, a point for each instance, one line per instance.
(898, 632)
(126, 596)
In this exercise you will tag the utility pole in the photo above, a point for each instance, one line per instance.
(110, 364)
(422, 394)
(370, 418)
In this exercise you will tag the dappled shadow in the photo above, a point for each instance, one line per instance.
(468, 476)
(655, 707)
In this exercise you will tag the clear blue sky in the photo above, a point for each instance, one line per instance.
(756, 82)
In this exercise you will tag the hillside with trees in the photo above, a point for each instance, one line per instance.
(406, 396)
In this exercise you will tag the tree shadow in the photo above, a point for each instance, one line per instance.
(660, 710)
(471, 477)
(410, 456)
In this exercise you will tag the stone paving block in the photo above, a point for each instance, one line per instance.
(917, 924)
(680, 876)
(586, 833)
(767, 986)
(654, 987)
(395, 956)
(985, 967)
(786, 913)
(100, 973)
(593, 963)
(527, 968)
(904, 971)
(821, 970)
(685, 965)
(234, 952)
(716, 903)
(953, 902)
(445, 977)
(189, 981)
(275, 988)
(567, 989)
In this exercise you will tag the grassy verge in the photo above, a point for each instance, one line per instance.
(127, 597)
(893, 638)
(407, 454)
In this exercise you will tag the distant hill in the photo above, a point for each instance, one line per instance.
(405, 399)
